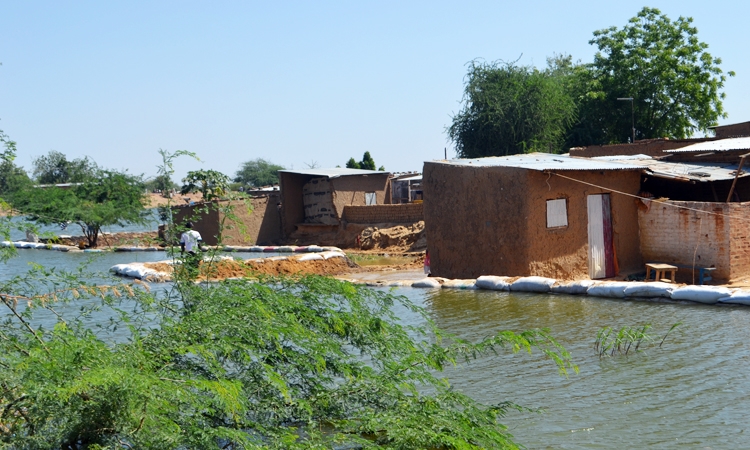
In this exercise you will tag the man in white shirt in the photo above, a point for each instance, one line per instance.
(190, 239)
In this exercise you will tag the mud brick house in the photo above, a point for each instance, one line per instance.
(533, 214)
(316, 198)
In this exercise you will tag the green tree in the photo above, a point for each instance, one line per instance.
(54, 168)
(211, 183)
(352, 164)
(510, 109)
(258, 172)
(367, 163)
(12, 178)
(106, 198)
(673, 80)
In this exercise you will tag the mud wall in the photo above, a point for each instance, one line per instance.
(676, 235)
(733, 130)
(562, 252)
(475, 220)
(293, 209)
(403, 213)
(350, 190)
(255, 221)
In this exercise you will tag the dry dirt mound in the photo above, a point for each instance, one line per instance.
(396, 238)
(229, 268)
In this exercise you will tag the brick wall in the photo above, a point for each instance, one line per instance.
(739, 236)
(676, 235)
(650, 147)
(406, 213)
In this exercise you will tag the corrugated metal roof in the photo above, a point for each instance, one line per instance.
(336, 172)
(680, 171)
(414, 178)
(540, 162)
(720, 145)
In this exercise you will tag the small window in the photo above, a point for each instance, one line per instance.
(371, 198)
(557, 213)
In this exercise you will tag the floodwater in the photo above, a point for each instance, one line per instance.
(694, 392)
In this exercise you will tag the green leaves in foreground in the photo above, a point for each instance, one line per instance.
(284, 363)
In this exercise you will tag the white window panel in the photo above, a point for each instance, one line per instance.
(557, 213)
(371, 198)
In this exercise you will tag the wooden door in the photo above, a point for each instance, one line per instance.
(601, 250)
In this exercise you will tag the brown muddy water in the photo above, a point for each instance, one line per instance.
(694, 392)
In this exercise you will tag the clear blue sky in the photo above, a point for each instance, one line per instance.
(295, 83)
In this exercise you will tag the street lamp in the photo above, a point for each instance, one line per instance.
(632, 114)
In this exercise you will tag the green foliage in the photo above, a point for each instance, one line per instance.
(12, 177)
(352, 164)
(107, 198)
(608, 344)
(54, 168)
(367, 163)
(258, 172)
(211, 183)
(283, 363)
(675, 83)
(510, 109)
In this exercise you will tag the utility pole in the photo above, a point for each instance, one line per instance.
(632, 115)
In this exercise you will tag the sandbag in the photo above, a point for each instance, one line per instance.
(332, 254)
(256, 248)
(532, 284)
(493, 283)
(285, 249)
(650, 289)
(460, 284)
(426, 283)
(579, 287)
(701, 294)
(739, 297)
(612, 289)
(309, 257)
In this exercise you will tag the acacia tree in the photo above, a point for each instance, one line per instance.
(211, 184)
(509, 109)
(258, 172)
(12, 178)
(106, 198)
(673, 80)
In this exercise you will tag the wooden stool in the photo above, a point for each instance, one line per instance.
(660, 271)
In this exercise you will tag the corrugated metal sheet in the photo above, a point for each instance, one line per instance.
(681, 171)
(335, 172)
(721, 145)
(540, 162)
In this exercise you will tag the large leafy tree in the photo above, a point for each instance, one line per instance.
(55, 168)
(105, 198)
(661, 64)
(510, 109)
(258, 172)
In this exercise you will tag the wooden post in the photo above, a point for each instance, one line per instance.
(737, 175)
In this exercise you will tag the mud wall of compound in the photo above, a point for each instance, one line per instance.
(562, 252)
(400, 213)
(673, 234)
(251, 221)
(351, 190)
(205, 218)
(475, 220)
(739, 240)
